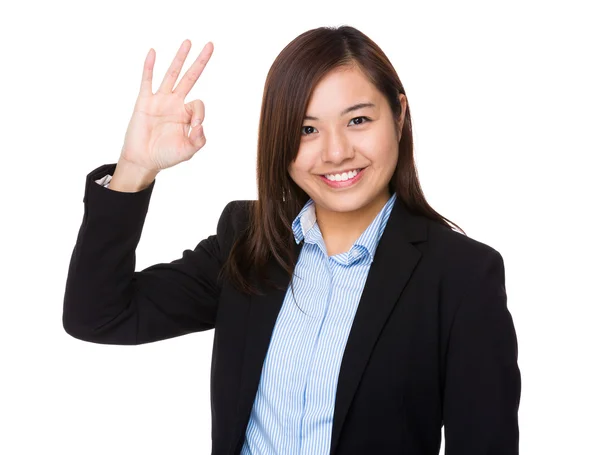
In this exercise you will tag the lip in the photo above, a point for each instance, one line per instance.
(344, 184)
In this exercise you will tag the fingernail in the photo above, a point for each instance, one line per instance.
(195, 122)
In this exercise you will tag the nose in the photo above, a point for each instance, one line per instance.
(337, 149)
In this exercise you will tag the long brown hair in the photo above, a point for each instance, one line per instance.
(288, 87)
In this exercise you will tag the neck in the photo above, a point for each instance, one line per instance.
(341, 229)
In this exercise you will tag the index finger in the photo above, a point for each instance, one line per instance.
(193, 73)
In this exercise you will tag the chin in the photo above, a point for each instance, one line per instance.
(342, 203)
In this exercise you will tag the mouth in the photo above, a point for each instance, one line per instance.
(344, 179)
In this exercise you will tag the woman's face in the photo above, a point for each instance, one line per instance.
(336, 143)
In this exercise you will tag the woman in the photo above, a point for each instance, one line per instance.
(393, 325)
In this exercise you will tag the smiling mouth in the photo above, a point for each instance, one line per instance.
(342, 176)
(346, 180)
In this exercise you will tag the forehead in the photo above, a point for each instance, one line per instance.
(340, 88)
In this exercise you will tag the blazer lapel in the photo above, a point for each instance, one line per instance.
(393, 264)
(390, 271)
(262, 316)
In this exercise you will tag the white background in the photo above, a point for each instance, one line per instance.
(504, 99)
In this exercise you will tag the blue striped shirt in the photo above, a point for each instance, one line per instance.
(294, 403)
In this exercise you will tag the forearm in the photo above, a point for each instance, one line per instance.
(99, 285)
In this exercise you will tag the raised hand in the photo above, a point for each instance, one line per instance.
(158, 135)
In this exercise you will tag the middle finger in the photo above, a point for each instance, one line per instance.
(193, 73)
(168, 82)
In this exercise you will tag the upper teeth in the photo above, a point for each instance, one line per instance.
(342, 177)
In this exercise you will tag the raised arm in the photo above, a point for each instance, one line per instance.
(106, 301)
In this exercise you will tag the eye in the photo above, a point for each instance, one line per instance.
(365, 119)
(306, 134)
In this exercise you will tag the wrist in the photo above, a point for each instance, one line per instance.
(129, 177)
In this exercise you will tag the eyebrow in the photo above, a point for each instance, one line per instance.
(345, 111)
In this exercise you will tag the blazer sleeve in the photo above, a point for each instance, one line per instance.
(107, 301)
(482, 382)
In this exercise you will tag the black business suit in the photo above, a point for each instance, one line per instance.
(432, 341)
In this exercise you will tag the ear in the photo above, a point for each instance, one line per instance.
(400, 124)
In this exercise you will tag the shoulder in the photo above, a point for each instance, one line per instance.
(462, 262)
(236, 214)
(234, 219)
(456, 246)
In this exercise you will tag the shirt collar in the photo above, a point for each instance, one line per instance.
(306, 219)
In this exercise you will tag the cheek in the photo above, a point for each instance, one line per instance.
(382, 151)
(303, 164)
(392, 154)
(380, 137)
(391, 146)
(296, 172)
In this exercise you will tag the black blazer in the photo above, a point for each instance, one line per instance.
(432, 342)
